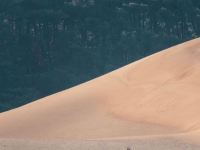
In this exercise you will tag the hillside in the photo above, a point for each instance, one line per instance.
(155, 95)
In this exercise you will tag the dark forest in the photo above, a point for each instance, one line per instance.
(50, 45)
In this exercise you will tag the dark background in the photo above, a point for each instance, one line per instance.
(50, 45)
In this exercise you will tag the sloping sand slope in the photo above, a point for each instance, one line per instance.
(159, 94)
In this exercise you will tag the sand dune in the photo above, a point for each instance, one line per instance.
(155, 96)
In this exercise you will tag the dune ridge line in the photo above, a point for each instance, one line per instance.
(156, 95)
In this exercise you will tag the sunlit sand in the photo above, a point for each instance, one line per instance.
(153, 103)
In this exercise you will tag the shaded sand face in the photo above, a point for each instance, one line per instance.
(155, 96)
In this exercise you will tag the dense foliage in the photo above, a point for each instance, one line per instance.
(49, 45)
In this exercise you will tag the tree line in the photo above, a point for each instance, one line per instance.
(49, 45)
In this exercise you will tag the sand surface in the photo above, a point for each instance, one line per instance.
(153, 103)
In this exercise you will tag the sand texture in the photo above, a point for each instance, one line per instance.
(153, 103)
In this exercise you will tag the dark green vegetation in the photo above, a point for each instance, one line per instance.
(49, 45)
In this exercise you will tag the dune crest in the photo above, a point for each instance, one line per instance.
(155, 95)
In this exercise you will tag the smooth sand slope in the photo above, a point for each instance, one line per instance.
(155, 98)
